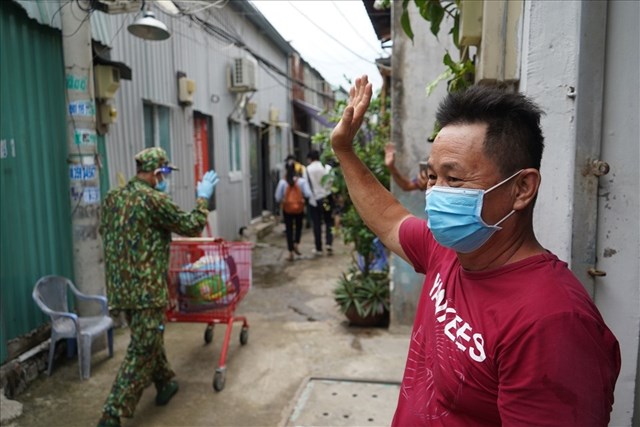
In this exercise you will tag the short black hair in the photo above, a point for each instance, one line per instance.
(313, 155)
(514, 139)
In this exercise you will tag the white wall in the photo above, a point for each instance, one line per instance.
(414, 66)
(562, 50)
(549, 69)
(618, 228)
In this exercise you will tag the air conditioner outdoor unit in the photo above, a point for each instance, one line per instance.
(243, 75)
(118, 6)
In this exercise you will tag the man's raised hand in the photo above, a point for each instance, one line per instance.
(205, 188)
(353, 115)
(390, 155)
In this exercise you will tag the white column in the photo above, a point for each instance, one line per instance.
(84, 190)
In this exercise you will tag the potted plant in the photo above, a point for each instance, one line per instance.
(364, 299)
(362, 293)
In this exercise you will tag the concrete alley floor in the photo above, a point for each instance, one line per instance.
(296, 335)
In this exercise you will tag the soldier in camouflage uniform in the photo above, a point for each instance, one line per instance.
(136, 226)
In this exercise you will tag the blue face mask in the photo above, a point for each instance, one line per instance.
(455, 216)
(162, 186)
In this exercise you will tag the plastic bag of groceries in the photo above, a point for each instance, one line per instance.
(204, 280)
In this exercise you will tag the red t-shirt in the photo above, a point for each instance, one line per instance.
(521, 344)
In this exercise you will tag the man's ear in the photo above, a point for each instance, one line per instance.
(526, 188)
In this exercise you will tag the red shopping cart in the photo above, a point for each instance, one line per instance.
(207, 279)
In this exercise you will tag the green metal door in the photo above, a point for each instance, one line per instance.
(35, 212)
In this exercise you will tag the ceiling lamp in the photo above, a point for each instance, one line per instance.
(149, 28)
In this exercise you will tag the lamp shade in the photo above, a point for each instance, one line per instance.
(149, 28)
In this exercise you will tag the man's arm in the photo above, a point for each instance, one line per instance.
(421, 181)
(190, 224)
(171, 217)
(382, 213)
(402, 181)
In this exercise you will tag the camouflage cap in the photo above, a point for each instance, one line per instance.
(152, 158)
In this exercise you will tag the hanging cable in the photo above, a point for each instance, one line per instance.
(224, 35)
(354, 30)
(219, 4)
(330, 36)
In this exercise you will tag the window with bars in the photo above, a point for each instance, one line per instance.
(235, 164)
(157, 127)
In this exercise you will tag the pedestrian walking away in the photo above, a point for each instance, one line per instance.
(137, 221)
(504, 333)
(291, 193)
(321, 203)
(299, 167)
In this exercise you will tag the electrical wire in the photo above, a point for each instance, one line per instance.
(232, 38)
(218, 32)
(124, 21)
(226, 24)
(330, 36)
(85, 9)
(275, 78)
(354, 29)
(58, 11)
(221, 33)
(219, 4)
(84, 20)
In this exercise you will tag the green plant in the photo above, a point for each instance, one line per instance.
(366, 290)
(369, 146)
(459, 74)
(369, 295)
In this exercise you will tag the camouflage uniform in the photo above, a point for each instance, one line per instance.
(136, 226)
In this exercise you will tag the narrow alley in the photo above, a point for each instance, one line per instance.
(297, 339)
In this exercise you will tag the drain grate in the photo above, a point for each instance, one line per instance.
(343, 402)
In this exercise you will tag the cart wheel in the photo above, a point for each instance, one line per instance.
(244, 335)
(208, 334)
(218, 381)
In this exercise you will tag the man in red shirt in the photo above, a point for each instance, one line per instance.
(504, 333)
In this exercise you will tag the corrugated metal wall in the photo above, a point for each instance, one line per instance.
(35, 226)
(204, 58)
(47, 12)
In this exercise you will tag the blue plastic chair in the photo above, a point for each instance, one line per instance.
(50, 294)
